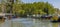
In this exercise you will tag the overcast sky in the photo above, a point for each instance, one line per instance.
(55, 3)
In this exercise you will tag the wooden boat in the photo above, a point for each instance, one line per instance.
(55, 19)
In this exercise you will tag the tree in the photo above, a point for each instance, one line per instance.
(32, 8)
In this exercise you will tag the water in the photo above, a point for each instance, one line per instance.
(28, 22)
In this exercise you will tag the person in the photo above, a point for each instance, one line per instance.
(3, 19)
(9, 17)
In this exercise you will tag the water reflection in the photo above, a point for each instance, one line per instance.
(29, 22)
(55, 24)
(37, 23)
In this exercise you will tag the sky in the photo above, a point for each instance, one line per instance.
(55, 3)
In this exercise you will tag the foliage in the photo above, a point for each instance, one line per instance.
(31, 8)
(37, 8)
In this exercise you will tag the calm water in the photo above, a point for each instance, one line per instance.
(28, 22)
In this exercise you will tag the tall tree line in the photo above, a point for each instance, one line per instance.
(22, 9)
(34, 8)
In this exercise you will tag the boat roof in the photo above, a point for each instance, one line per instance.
(3, 14)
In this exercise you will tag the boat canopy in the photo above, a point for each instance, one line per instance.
(3, 14)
